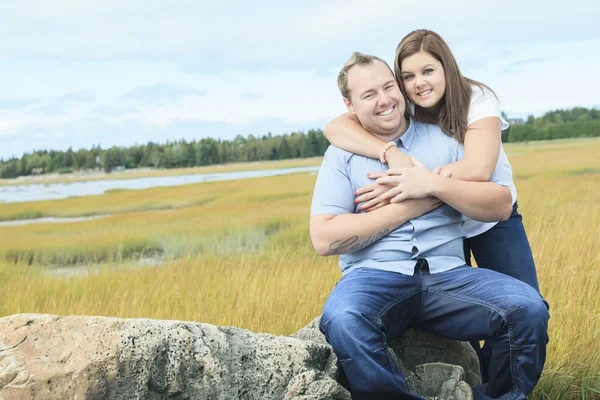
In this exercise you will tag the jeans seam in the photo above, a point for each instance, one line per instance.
(473, 300)
(504, 316)
(385, 345)
(391, 362)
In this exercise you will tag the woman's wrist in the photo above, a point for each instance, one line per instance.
(396, 158)
(384, 150)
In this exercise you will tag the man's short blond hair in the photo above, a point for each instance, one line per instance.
(356, 59)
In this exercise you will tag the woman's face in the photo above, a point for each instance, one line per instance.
(424, 80)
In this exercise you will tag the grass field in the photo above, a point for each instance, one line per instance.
(238, 253)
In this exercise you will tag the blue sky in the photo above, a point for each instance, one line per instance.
(119, 72)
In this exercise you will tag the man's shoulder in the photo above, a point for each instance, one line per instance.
(350, 164)
(336, 154)
(334, 151)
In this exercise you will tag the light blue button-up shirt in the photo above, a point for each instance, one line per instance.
(436, 236)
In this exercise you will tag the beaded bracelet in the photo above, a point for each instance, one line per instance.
(386, 147)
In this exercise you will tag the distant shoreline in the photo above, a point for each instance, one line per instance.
(91, 175)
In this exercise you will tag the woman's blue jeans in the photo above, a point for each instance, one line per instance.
(505, 249)
(369, 307)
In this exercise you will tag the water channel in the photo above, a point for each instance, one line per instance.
(62, 190)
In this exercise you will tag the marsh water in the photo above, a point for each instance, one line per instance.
(48, 220)
(53, 191)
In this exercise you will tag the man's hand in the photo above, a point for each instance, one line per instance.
(371, 193)
(411, 183)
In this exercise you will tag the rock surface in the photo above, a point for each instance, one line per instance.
(433, 367)
(77, 357)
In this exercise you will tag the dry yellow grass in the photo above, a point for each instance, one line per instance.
(238, 253)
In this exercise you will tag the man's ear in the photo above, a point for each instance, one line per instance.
(348, 104)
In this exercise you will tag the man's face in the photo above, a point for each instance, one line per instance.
(376, 100)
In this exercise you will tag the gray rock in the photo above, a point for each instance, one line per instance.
(442, 381)
(52, 357)
(76, 357)
(416, 347)
(419, 354)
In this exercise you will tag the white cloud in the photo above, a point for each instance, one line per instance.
(120, 71)
(236, 31)
(543, 76)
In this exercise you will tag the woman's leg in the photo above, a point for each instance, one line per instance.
(505, 249)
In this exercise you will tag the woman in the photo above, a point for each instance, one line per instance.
(465, 109)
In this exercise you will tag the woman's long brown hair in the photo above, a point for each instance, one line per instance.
(453, 112)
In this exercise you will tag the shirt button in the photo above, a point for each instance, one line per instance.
(414, 240)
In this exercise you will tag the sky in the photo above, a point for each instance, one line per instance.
(121, 72)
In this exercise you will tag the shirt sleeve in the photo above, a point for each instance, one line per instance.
(484, 104)
(333, 191)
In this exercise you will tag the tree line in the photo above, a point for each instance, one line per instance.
(177, 154)
(558, 124)
(576, 122)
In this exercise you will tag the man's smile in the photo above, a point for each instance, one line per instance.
(386, 112)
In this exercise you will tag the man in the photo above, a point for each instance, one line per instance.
(403, 264)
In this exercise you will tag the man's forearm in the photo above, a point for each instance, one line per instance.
(481, 201)
(339, 234)
(344, 233)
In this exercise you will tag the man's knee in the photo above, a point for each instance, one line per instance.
(340, 317)
(536, 312)
(345, 321)
(530, 320)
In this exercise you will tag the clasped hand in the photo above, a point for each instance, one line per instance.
(398, 184)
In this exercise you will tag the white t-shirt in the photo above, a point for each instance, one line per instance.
(484, 105)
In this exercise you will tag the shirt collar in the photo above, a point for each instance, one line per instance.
(406, 139)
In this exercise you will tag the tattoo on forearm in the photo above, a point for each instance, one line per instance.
(352, 243)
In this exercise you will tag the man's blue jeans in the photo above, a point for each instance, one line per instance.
(369, 307)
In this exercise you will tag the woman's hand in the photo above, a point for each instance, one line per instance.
(410, 183)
